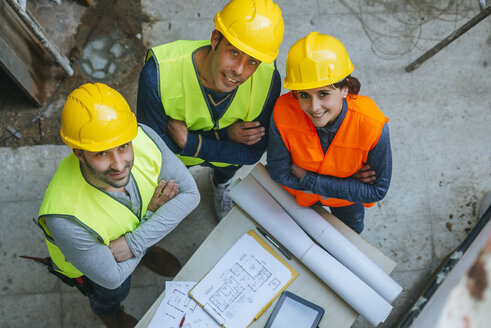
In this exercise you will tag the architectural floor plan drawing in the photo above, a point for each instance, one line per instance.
(176, 305)
(180, 302)
(244, 279)
(242, 283)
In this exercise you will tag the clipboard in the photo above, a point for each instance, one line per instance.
(241, 281)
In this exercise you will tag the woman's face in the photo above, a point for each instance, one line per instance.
(322, 105)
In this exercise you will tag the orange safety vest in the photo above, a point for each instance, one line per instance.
(358, 134)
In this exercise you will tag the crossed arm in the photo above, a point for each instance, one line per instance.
(241, 143)
(105, 265)
(173, 199)
(369, 184)
(247, 133)
(164, 192)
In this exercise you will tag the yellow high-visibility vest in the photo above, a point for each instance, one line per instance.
(70, 195)
(183, 97)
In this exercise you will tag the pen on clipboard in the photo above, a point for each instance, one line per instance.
(182, 320)
(280, 247)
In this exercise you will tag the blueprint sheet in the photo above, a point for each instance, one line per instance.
(242, 283)
(176, 304)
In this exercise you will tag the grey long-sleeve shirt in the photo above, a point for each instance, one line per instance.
(94, 259)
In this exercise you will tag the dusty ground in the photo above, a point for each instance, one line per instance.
(41, 125)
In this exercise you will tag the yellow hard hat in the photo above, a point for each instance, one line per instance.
(96, 118)
(315, 61)
(254, 26)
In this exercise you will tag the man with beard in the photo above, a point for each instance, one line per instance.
(211, 100)
(119, 192)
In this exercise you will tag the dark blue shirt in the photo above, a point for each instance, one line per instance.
(351, 189)
(216, 145)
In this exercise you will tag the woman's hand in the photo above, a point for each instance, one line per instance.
(298, 171)
(163, 193)
(365, 174)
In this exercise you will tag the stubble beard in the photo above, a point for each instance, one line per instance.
(102, 176)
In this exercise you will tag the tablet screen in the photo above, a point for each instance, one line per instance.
(293, 311)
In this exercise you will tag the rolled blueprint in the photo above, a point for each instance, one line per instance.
(330, 239)
(256, 201)
(274, 219)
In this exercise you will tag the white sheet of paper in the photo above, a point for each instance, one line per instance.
(242, 283)
(176, 304)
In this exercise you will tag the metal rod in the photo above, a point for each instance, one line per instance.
(22, 4)
(482, 4)
(461, 30)
(36, 29)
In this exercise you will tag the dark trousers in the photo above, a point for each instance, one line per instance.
(353, 215)
(223, 174)
(105, 301)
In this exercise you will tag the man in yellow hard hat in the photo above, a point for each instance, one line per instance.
(211, 100)
(119, 192)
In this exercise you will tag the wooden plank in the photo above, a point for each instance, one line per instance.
(22, 56)
(18, 71)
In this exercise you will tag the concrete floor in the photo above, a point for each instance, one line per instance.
(439, 122)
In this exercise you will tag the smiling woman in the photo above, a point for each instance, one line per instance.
(323, 105)
(328, 145)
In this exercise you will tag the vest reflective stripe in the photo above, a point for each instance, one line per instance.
(69, 195)
(183, 97)
(358, 134)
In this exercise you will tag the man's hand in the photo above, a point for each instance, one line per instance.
(120, 249)
(298, 171)
(365, 174)
(163, 193)
(247, 133)
(178, 131)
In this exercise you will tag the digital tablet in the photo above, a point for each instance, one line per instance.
(294, 311)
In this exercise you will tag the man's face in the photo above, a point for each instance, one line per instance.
(109, 169)
(230, 67)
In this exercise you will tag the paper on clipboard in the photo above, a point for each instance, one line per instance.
(177, 304)
(243, 283)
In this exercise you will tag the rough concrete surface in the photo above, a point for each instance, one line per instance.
(439, 124)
